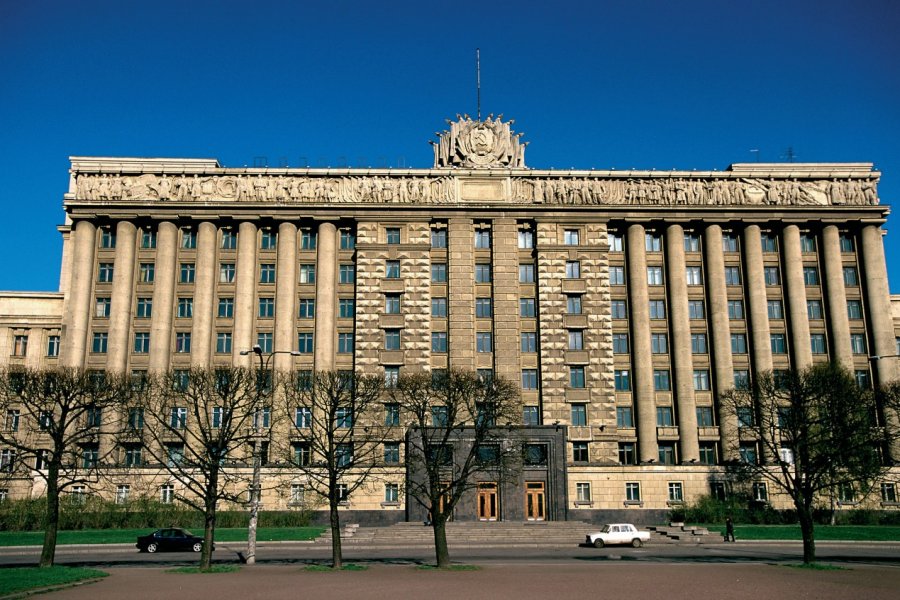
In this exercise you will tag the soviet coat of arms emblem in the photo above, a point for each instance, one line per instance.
(479, 144)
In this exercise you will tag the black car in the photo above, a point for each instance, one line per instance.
(171, 539)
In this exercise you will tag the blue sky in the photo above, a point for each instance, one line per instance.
(645, 84)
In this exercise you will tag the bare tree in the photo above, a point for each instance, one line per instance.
(809, 433)
(195, 424)
(337, 436)
(461, 426)
(52, 431)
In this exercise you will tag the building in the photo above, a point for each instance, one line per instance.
(622, 301)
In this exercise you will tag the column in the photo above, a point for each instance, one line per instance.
(755, 286)
(505, 258)
(78, 302)
(838, 319)
(461, 292)
(720, 331)
(285, 295)
(204, 290)
(326, 293)
(641, 358)
(683, 362)
(163, 297)
(122, 297)
(796, 297)
(245, 295)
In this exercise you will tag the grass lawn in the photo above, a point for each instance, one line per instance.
(863, 533)
(129, 536)
(27, 578)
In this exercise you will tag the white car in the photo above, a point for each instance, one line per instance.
(618, 533)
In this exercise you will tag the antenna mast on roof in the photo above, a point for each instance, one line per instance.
(478, 80)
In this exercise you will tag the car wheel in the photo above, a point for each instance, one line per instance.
(197, 547)
(636, 543)
(152, 547)
(598, 543)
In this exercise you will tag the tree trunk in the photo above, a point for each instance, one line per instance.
(51, 524)
(807, 530)
(441, 552)
(209, 529)
(337, 560)
(254, 508)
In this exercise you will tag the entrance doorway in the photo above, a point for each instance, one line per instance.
(534, 500)
(487, 502)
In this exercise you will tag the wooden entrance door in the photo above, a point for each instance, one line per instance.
(487, 502)
(534, 500)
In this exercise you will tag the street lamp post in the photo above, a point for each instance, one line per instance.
(254, 485)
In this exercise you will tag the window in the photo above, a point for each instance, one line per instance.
(267, 273)
(264, 341)
(747, 452)
(188, 239)
(704, 416)
(392, 304)
(579, 415)
(438, 272)
(888, 493)
(582, 492)
(391, 414)
(652, 242)
(438, 238)
(624, 416)
(302, 417)
(439, 307)
(696, 310)
(90, 455)
(107, 238)
(739, 343)
(105, 273)
(623, 380)
(616, 242)
(571, 237)
(144, 309)
(657, 309)
(775, 309)
(483, 238)
(620, 343)
(857, 343)
(531, 415)
(854, 310)
(391, 375)
(304, 342)
(439, 341)
(661, 380)
(183, 342)
(693, 275)
(807, 243)
(102, 307)
(484, 341)
(391, 490)
(580, 452)
(392, 269)
(181, 378)
(616, 275)
(439, 417)
(741, 378)
(698, 343)
(347, 274)
(7, 460)
(817, 343)
(348, 240)
(526, 239)
(268, 240)
(346, 308)
(186, 273)
(226, 308)
(701, 380)
(665, 416)
(343, 418)
(618, 309)
(306, 308)
(526, 307)
(732, 276)
(735, 309)
(298, 492)
(148, 239)
(846, 242)
(141, 342)
(528, 341)
(226, 272)
(778, 343)
(526, 273)
(133, 455)
(627, 453)
(185, 308)
(345, 343)
(392, 235)
(482, 273)
(573, 304)
(99, 344)
(760, 492)
(851, 276)
(217, 415)
(654, 276)
(659, 343)
(707, 453)
(229, 239)
(691, 242)
(12, 420)
(771, 275)
(223, 342)
(862, 379)
(811, 275)
(167, 493)
(529, 379)
(769, 242)
(576, 377)
(814, 309)
(676, 491)
(307, 273)
(392, 339)
(307, 239)
(632, 492)
(53, 345)
(730, 242)
(178, 417)
(483, 309)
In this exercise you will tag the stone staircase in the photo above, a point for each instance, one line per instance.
(680, 533)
